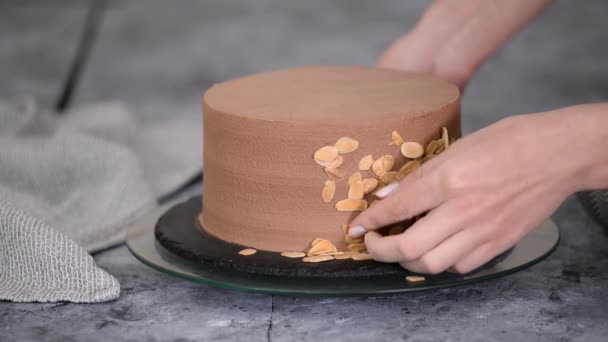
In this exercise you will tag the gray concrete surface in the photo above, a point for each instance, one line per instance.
(159, 57)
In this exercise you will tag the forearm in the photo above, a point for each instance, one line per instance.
(454, 37)
(588, 132)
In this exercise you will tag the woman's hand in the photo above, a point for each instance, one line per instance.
(488, 190)
(455, 37)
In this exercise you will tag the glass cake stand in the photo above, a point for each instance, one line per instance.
(143, 244)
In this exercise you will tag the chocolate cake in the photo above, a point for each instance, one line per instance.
(280, 148)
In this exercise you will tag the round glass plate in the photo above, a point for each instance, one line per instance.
(143, 245)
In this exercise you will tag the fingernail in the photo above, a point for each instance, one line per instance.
(387, 190)
(356, 231)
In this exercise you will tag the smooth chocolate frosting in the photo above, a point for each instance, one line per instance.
(262, 188)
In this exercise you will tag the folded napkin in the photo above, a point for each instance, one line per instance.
(72, 183)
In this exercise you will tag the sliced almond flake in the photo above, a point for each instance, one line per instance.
(414, 279)
(366, 162)
(389, 177)
(351, 240)
(346, 255)
(346, 145)
(293, 254)
(326, 153)
(396, 138)
(408, 168)
(383, 164)
(334, 174)
(361, 256)
(351, 205)
(412, 149)
(354, 177)
(440, 148)
(322, 247)
(329, 189)
(356, 247)
(318, 258)
(369, 185)
(431, 147)
(435, 147)
(345, 228)
(319, 252)
(334, 253)
(248, 251)
(316, 241)
(356, 190)
(444, 137)
(440, 144)
(336, 163)
(377, 167)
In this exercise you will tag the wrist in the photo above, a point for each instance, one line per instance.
(581, 132)
(592, 129)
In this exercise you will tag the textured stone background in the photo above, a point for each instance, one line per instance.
(159, 56)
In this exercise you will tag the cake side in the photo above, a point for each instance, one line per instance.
(262, 188)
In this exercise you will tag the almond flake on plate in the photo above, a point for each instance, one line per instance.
(318, 258)
(248, 251)
(361, 256)
(293, 254)
(414, 279)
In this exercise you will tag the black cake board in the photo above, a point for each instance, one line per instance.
(178, 232)
(176, 245)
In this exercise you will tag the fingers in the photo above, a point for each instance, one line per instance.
(487, 252)
(424, 235)
(476, 258)
(445, 254)
(414, 195)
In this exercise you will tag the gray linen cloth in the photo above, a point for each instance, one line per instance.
(71, 184)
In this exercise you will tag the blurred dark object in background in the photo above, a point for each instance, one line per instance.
(596, 205)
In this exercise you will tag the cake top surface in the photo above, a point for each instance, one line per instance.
(320, 94)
